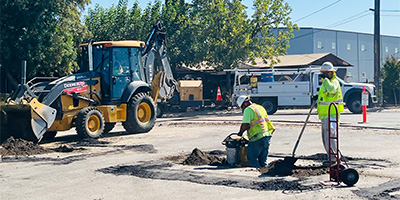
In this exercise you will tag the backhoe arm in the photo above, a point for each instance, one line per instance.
(160, 76)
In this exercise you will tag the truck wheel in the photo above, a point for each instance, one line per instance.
(90, 123)
(354, 105)
(108, 127)
(141, 116)
(349, 176)
(270, 106)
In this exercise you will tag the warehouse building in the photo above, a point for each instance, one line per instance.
(355, 48)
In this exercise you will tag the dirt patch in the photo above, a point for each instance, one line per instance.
(306, 171)
(389, 190)
(148, 148)
(92, 143)
(280, 184)
(19, 147)
(278, 168)
(282, 168)
(67, 148)
(198, 157)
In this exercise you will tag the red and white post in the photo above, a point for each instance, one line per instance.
(364, 103)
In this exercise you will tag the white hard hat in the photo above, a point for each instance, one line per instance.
(241, 99)
(327, 67)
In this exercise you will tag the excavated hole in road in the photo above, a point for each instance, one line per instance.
(274, 168)
(161, 170)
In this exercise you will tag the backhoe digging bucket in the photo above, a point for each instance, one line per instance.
(27, 121)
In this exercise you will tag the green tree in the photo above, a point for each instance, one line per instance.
(224, 35)
(44, 33)
(220, 31)
(215, 33)
(175, 19)
(120, 23)
(391, 79)
(271, 28)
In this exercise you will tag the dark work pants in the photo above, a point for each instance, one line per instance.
(257, 152)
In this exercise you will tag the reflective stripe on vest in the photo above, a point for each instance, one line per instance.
(339, 101)
(259, 120)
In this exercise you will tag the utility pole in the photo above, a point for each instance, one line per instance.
(377, 52)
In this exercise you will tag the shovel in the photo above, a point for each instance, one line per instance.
(291, 160)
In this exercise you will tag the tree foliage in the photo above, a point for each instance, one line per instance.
(391, 79)
(215, 33)
(44, 33)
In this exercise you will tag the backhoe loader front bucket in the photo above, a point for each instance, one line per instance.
(27, 121)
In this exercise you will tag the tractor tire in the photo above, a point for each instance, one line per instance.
(349, 176)
(354, 105)
(90, 123)
(141, 114)
(270, 106)
(109, 127)
(160, 111)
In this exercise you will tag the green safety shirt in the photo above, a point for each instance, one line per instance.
(329, 92)
(260, 125)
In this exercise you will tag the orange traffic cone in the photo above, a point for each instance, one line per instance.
(219, 97)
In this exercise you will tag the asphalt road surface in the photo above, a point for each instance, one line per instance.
(123, 166)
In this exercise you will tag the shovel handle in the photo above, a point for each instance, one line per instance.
(304, 127)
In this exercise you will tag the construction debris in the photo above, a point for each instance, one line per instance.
(19, 147)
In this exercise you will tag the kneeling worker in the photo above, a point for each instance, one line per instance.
(259, 131)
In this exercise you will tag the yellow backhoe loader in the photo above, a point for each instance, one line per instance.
(118, 81)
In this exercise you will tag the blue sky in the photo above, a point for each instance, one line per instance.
(347, 15)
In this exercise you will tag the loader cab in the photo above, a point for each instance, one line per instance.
(118, 63)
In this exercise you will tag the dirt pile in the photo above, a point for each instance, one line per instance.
(20, 147)
(281, 168)
(198, 157)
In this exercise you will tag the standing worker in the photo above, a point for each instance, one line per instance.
(329, 92)
(259, 131)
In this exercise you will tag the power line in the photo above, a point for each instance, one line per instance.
(318, 10)
(390, 15)
(350, 19)
(390, 10)
(341, 22)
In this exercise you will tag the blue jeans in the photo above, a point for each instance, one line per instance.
(257, 152)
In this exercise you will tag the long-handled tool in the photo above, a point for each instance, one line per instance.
(292, 160)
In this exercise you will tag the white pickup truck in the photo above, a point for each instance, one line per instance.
(275, 89)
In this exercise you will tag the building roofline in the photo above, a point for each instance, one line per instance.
(326, 29)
